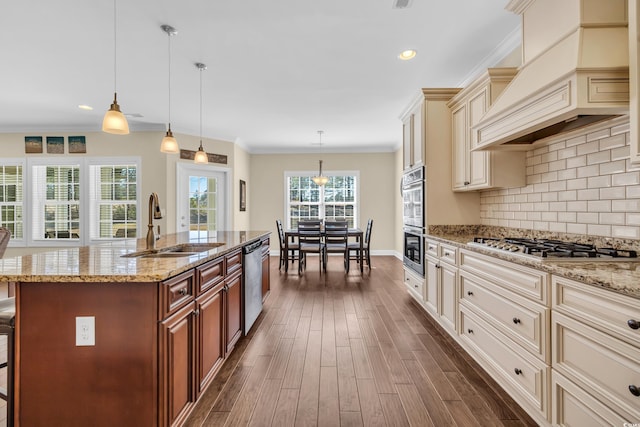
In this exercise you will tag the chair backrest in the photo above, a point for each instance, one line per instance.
(310, 231)
(5, 236)
(367, 233)
(280, 233)
(336, 233)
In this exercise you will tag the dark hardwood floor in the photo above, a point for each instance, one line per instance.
(350, 350)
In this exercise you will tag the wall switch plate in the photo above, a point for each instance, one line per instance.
(85, 331)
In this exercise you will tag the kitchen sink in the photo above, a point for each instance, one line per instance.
(183, 250)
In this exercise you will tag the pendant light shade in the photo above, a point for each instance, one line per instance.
(320, 179)
(114, 121)
(169, 143)
(201, 156)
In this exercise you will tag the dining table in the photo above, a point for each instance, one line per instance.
(291, 234)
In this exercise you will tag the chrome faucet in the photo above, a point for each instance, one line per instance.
(154, 212)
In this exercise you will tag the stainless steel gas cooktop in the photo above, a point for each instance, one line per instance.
(553, 250)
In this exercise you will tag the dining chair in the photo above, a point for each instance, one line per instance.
(5, 236)
(336, 240)
(355, 246)
(293, 247)
(309, 241)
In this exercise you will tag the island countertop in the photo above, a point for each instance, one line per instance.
(106, 263)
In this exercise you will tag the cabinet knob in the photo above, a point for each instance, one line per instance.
(431, 248)
(196, 312)
(470, 293)
(633, 324)
(516, 320)
(518, 371)
(447, 254)
(182, 291)
(437, 265)
(470, 331)
(634, 390)
(467, 183)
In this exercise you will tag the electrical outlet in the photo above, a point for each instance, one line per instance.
(85, 331)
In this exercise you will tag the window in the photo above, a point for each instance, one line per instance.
(11, 198)
(336, 200)
(75, 201)
(114, 207)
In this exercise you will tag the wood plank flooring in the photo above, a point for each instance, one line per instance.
(333, 349)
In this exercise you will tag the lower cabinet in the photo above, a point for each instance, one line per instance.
(441, 295)
(266, 281)
(233, 307)
(211, 344)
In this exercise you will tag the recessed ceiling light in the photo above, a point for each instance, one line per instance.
(406, 55)
(85, 107)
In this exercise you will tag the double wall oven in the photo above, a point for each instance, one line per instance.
(413, 218)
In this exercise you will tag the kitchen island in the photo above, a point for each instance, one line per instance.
(118, 335)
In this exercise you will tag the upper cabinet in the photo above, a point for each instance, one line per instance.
(634, 69)
(412, 144)
(476, 170)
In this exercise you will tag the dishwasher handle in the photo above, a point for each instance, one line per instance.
(251, 247)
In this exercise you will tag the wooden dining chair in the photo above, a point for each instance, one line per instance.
(292, 248)
(309, 241)
(355, 246)
(336, 240)
(5, 236)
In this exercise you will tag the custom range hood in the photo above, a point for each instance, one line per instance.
(575, 72)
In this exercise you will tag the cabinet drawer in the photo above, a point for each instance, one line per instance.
(234, 261)
(600, 363)
(431, 247)
(448, 254)
(210, 274)
(522, 320)
(528, 282)
(176, 292)
(415, 285)
(517, 370)
(605, 310)
(572, 406)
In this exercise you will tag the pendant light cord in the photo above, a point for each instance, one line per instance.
(169, 48)
(115, 48)
(201, 69)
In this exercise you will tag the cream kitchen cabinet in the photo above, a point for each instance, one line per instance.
(441, 284)
(420, 124)
(504, 325)
(634, 80)
(475, 170)
(596, 343)
(415, 285)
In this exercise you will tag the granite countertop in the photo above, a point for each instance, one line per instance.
(619, 276)
(105, 263)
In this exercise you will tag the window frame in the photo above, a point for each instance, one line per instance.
(321, 204)
(85, 219)
(22, 162)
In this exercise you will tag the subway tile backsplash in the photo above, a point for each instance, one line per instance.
(583, 185)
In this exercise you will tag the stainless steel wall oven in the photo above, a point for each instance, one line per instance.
(413, 219)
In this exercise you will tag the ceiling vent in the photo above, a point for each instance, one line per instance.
(402, 4)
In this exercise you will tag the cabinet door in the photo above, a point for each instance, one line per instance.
(233, 311)
(211, 344)
(418, 142)
(459, 147)
(478, 160)
(407, 144)
(448, 296)
(431, 283)
(177, 371)
(266, 283)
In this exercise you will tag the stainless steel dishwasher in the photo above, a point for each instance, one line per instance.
(252, 301)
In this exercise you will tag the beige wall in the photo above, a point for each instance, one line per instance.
(379, 190)
(399, 242)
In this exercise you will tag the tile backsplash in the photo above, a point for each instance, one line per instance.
(582, 185)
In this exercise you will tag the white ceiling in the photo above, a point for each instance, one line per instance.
(278, 70)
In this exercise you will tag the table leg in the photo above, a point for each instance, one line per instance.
(361, 257)
(286, 253)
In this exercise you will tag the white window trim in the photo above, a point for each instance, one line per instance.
(288, 174)
(26, 195)
(84, 162)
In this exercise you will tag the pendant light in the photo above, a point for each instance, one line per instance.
(320, 179)
(114, 121)
(169, 143)
(201, 156)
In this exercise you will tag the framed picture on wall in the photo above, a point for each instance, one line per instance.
(33, 144)
(77, 144)
(55, 145)
(243, 196)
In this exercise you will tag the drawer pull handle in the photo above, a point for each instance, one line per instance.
(182, 291)
(431, 248)
(518, 371)
(437, 265)
(516, 320)
(467, 183)
(196, 312)
(470, 293)
(447, 254)
(470, 331)
(633, 324)
(634, 390)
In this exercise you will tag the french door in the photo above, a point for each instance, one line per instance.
(202, 199)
